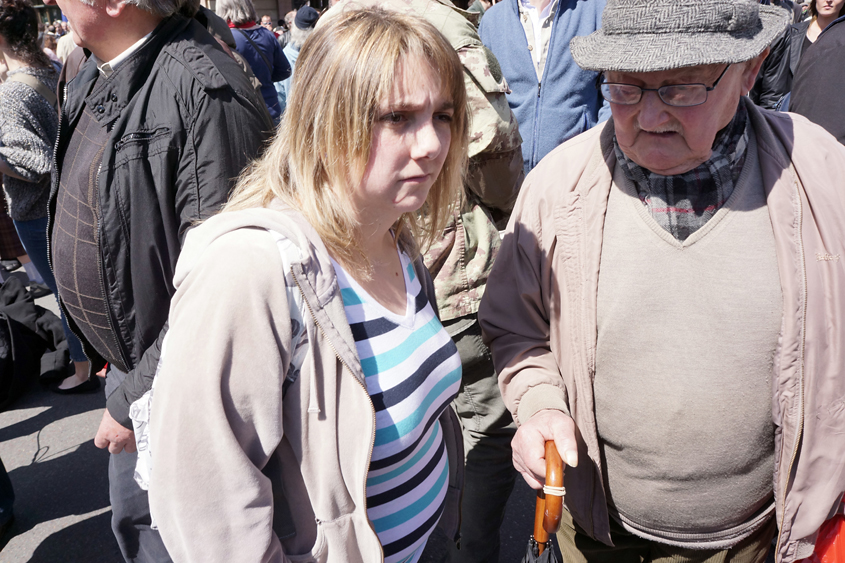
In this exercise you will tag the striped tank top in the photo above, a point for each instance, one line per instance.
(413, 372)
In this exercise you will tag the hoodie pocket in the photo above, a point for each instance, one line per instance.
(317, 553)
(348, 538)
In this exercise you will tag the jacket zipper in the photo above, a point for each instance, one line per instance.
(539, 40)
(369, 400)
(800, 429)
(56, 168)
(50, 220)
(103, 286)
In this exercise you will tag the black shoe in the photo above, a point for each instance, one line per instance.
(10, 265)
(38, 290)
(88, 386)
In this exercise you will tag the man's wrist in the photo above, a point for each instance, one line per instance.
(118, 409)
(541, 397)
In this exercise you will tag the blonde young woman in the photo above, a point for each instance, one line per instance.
(301, 408)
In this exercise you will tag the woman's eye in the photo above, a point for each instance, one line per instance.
(447, 117)
(393, 117)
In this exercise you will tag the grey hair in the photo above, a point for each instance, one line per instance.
(162, 8)
(236, 11)
(298, 36)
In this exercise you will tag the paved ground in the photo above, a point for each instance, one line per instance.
(61, 486)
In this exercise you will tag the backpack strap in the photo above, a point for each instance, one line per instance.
(36, 85)
(260, 52)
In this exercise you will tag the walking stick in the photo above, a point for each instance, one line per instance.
(549, 500)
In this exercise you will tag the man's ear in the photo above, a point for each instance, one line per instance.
(752, 69)
(115, 7)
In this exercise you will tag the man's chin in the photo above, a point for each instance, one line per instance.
(659, 162)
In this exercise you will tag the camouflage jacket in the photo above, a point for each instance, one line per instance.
(461, 259)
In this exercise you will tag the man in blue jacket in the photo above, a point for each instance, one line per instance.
(552, 98)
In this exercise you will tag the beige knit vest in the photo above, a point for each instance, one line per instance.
(686, 340)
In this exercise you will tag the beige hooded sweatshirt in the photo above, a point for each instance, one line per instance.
(242, 470)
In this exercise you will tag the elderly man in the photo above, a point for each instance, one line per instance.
(153, 130)
(667, 302)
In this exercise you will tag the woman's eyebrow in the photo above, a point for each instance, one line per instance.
(407, 106)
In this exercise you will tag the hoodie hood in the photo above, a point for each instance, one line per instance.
(278, 217)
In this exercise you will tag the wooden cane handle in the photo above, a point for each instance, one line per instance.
(554, 478)
(549, 507)
(540, 534)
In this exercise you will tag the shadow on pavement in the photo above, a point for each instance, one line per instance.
(64, 480)
(88, 541)
(72, 484)
(61, 406)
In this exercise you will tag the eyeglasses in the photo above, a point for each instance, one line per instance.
(678, 95)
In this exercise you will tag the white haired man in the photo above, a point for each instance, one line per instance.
(666, 304)
(153, 129)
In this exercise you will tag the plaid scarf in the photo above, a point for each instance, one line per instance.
(682, 204)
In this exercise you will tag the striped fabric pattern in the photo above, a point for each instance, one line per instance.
(413, 372)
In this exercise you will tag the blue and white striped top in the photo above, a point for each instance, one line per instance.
(413, 372)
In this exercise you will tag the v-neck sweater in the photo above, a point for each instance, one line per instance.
(683, 368)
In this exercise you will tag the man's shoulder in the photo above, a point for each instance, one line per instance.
(796, 135)
(564, 167)
(499, 13)
(193, 54)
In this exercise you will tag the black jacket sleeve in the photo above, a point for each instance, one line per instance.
(229, 130)
(774, 80)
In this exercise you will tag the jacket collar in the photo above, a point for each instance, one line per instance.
(108, 97)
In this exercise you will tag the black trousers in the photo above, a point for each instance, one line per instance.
(131, 522)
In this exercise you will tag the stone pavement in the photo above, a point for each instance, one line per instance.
(62, 512)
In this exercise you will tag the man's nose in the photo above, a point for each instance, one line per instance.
(652, 111)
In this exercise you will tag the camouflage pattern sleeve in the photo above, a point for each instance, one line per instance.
(495, 171)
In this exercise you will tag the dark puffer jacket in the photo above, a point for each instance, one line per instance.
(184, 121)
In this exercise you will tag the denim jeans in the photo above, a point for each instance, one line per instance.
(488, 429)
(33, 235)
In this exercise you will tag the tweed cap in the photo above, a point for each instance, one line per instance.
(652, 35)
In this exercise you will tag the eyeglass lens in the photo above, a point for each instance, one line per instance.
(673, 95)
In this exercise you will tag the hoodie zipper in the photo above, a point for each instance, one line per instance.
(363, 387)
(800, 429)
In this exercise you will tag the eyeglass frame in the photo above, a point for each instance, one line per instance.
(707, 90)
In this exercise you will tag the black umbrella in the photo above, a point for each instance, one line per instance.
(548, 511)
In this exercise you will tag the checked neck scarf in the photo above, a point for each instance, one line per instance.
(682, 204)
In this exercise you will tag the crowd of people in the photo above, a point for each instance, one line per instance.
(345, 276)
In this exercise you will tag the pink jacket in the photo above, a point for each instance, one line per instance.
(539, 313)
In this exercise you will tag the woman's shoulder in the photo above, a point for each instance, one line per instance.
(247, 239)
(22, 94)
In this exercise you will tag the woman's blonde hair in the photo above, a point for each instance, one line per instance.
(346, 69)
